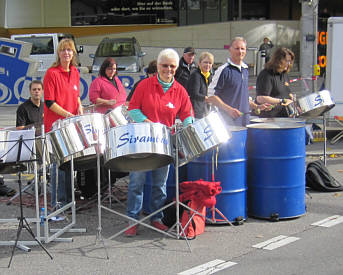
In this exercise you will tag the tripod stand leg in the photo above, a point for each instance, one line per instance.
(101, 239)
(20, 227)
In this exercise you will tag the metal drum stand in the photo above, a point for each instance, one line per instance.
(68, 228)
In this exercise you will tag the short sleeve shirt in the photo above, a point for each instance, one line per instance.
(272, 84)
(29, 113)
(63, 88)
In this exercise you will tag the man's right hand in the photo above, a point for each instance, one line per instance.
(233, 112)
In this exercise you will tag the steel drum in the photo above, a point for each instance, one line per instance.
(66, 141)
(138, 147)
(315, 104)
(201, 136)
(117, 117)
(92, 128)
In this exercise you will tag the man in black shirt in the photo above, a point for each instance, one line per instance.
(31, 111)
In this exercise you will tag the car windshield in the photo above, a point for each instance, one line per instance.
(115, 49)
(40, 45)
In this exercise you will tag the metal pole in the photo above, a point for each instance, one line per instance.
(324, 130)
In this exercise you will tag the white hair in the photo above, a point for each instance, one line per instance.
(170, 54)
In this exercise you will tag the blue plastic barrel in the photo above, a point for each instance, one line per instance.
(276, 170)
(230, 169)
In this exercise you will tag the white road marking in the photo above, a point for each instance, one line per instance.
(276, 242)
(208, 268)
(330, 221)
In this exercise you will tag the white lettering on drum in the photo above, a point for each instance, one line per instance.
(126, 138)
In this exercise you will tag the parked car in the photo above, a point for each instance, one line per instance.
(126, 51)
(44, 47)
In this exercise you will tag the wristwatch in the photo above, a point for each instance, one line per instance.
(283, 100)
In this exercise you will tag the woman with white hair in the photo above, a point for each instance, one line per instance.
(157, 99)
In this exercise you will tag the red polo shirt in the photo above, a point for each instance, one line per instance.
(160, 106)
(63, 88)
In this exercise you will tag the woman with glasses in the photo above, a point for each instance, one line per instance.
(272, 84)
(198, 82)
(157, 99)
(61, 100)
(106, 91)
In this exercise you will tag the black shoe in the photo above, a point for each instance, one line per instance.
(6, 191)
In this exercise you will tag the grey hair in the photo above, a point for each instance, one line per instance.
(238, 38)
(170, 54)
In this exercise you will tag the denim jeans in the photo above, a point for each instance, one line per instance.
(158, 192)
(63, 188)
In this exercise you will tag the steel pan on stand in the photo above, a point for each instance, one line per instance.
(201, 136)
(117, 117)
(92, 128)
(138, 147)
(315, 104)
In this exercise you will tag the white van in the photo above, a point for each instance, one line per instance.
(44, 47)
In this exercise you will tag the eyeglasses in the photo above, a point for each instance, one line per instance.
(173, 67)
(206, 62)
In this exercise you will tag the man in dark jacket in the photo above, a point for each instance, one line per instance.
(186, 66)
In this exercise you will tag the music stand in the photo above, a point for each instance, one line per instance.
(22, 154)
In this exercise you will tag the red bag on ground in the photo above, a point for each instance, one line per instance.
(196, 225)
(197, 195)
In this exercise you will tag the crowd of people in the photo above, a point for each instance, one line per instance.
(173, 88)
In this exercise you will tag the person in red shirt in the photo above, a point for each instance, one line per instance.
(106, 91)
(61, 99)
(157, 99)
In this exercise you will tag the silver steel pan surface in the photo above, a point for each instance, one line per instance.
(315, 104)
(201, 136)
(92, 126)
(138, 147)
(66, 141)
(117, 117)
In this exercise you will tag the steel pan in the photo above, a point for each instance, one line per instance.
(138, 147)
(315, 104)
(92, 127)
(117, 117)
(201, 136)
(66, 141)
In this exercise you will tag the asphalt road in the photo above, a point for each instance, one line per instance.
(299, 248)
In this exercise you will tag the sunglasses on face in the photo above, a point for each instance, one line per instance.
(173, 67)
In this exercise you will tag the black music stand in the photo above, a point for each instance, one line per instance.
(22, 220)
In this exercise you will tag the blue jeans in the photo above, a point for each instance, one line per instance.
(158, 192)
(63, 188)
